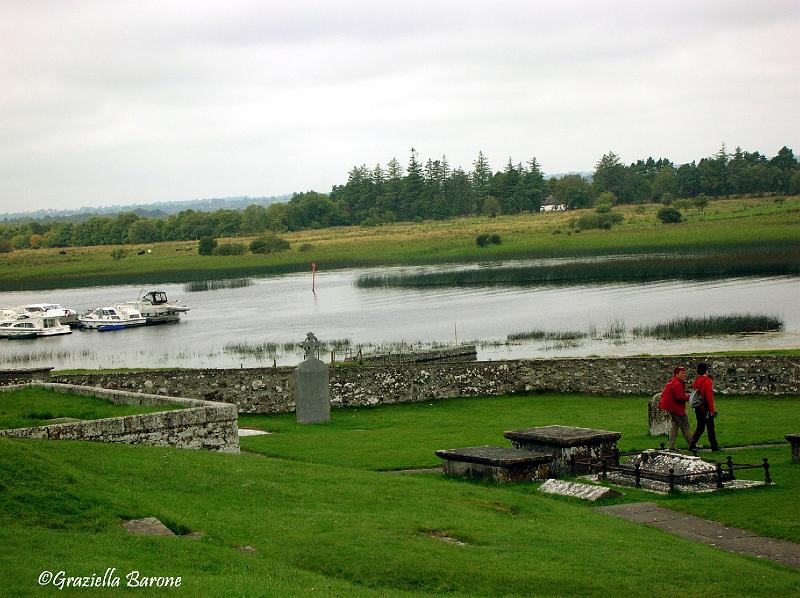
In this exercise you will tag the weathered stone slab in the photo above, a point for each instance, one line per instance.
(577, 490)
(564, 442)
(562, 436)
(149, 526)
(61, 420)
(251, 432)
(794, 440)
(501, 464)
(658, 420)
(312, 392)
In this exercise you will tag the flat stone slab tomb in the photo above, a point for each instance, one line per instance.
(794, 440)
(562, 442)
(501, 464)
(588, 492)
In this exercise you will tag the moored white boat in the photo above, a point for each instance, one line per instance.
(24, 326)
(156, 309)
(112, 318)
(52, 310)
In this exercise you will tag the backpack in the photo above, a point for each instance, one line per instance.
(696, 398)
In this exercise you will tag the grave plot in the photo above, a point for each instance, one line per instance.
(666, 471)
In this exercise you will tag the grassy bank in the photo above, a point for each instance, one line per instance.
(324, 520)
(723, 226)
(34, 407)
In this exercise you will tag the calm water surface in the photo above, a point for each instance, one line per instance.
(282, 309)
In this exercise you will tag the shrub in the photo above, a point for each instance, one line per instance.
(667, 198)
(269, 244)
(485, 240)
(599, 220)
(5, 246)
(118, 253)
(701, 202)
(304, 247)
(669, 215)
(230, 249)
(206, 245)
(602, 208)
(491, 207)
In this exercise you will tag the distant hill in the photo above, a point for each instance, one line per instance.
(587, 174)
(153, 210)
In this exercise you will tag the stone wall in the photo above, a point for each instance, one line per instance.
(24, 375)
(271, 390)
(195, 424)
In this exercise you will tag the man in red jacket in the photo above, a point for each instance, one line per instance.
(706, 411)
(673, 400)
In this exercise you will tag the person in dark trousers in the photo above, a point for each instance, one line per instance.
(706, 411)
(673, 400)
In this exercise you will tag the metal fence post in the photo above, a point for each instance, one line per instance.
(638, 475)
(672, 479)
(767, 479)
(730, 467)
(719, 475)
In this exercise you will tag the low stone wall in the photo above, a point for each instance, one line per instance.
(197, 424)
(24, 375)
(271, 390)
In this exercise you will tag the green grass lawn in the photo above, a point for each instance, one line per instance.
(326, 521)
(34, 406)
(406, 436)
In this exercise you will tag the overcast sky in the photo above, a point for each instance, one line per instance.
(134, 102)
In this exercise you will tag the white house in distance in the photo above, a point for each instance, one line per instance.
(550, 205)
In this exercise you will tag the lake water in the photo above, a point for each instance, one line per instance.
(281, 309)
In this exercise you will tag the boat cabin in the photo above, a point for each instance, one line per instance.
(155, 297)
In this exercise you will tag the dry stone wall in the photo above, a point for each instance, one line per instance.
(271, 390)
(195, 424)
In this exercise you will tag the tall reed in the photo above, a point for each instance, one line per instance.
(772, 260)
(710, 325)
(213, 285)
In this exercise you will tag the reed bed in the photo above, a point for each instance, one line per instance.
(771, 260)
(710, 325)
(273, 349)
(547, 335)
(45, 356)
(196, 286)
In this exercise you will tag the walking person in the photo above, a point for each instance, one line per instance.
(673, 400)
(706, 410)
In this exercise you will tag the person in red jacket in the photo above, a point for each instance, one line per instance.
(706, 411)
(673, 400)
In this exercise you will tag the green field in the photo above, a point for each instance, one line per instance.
(726, 225)
(34, 407)
(327, 519)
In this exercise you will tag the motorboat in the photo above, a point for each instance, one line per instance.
(24, 326)
(112, 318)
(52, 310)
(157, 309)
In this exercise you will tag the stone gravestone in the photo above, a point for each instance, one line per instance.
(658, 420)
(312, 391)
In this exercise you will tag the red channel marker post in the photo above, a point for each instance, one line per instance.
(313, 276)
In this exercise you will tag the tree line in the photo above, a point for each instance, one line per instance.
(433, 190)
